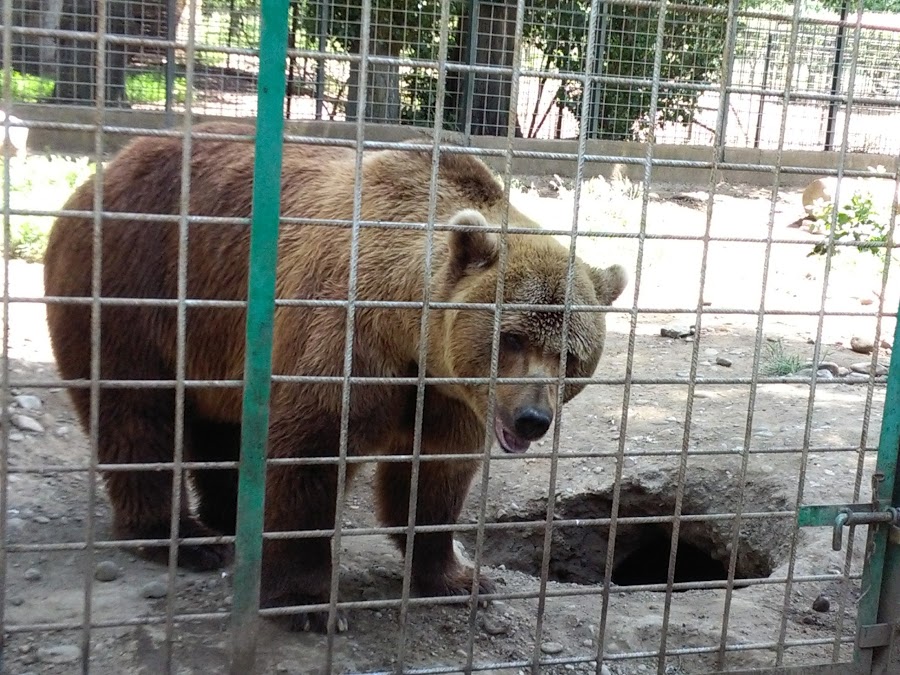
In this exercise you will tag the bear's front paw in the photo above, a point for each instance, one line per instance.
(458, 582)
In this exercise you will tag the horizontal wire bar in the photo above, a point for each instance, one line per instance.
(384, 531)
(377, 381)
(443, 457)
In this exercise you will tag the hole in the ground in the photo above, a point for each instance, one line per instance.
(578, 552)
(648, 563)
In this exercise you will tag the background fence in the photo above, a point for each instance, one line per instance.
(146, 71)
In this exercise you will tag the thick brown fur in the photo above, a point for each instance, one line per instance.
(139, 260)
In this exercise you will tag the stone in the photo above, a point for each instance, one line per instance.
(494, 625)
(28, 402)
(26, 423)
(723, 361)
(59, 653)
(551, 647)
(63, 430)
(675, 332)
(862, 345)
(821, 604)
(865, 368)
(41, 520)
(843, 372)
(106, 570)
(16, 436)
(32, 574)
(154, 590)
(830, 366)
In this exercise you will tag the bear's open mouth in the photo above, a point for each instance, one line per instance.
(508, 440)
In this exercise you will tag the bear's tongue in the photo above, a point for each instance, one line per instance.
(508, 440)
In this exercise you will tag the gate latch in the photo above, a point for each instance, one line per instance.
(840, 515)
(854, 515)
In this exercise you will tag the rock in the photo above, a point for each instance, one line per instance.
(26, 423)
(604, 670)
(41, 520)
(710, 352)
(865, 368)
(701, 393)
(824, 374)
(17, 601)
(722, 361)
(28, 402)
(154, 589)
(106, 570)
(862, 345)
(16, 436)
(821, 604)
(843, 372)
(14, 525)
(830, 366)
(32, 574)
(675, 332)
(856, 377)
(551, 647)
(804, 372)
(494, 625)
(59, 654)
(63, 430)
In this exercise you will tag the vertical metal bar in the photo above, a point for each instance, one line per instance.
(324, 10)
(4, 374)
(629, 362)
(171, 23)
(350, 327)
(767, 60)
(474, 11)
(180, 346)
(260, 315)
(499, 295)
(757, 349)
(836, 78)
(96, 290)
(564, 349)
(593, 117)
(722, 121)
(695, 351)
(423, 333)
(842, 161)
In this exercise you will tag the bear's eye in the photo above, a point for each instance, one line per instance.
(512, 342)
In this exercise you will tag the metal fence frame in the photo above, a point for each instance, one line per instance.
(877, 645)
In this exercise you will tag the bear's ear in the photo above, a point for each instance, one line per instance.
(609, 283)
(471, 249)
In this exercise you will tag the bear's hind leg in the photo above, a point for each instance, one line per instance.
(442, 489)
(216, 488)
(138, 427)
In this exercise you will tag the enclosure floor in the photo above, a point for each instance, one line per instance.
(52, 507)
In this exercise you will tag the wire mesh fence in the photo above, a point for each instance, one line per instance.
(377, 339)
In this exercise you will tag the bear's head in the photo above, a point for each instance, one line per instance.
(531, 339)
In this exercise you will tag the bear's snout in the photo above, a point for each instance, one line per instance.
(531, 422)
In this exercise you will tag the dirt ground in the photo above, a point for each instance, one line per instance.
(665, 443)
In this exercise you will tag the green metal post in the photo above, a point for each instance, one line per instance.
(260, 315)
(886, 471)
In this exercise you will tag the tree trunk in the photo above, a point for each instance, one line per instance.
(495, 22)
(383, 90)
(76, 82)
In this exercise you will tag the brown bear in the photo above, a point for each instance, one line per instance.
(138, 342)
